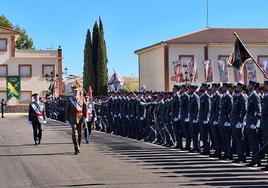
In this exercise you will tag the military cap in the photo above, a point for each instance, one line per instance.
(194, 86)
(176, 86)
(217, 85)
(226, 84)
(35, 94)
(254, 84)
(206, 85)
(239, 84)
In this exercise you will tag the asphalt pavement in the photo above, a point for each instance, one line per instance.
(109, 161)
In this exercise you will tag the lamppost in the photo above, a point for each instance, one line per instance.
(185, 78)
(52, 79)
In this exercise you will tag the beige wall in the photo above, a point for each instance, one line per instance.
(152, 69)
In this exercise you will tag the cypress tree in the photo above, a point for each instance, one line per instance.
(95, 47)
(88, 71)
(102, 69)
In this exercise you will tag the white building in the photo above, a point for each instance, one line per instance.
(156, 62)
(30, 65)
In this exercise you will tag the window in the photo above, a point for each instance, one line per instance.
(25, 97)
(47, 69)
(3, 95)
(223, 68)
(188, 68)
(263, 62)
(3, 71)
(251, 70)
(25, 71)
(3, 44)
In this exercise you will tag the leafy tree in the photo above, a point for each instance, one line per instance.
(102, 69)
(24, 41)
(88, 70)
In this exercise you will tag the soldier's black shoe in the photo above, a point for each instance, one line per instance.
(36, 144)
(238, 161)
(265, 168)
(204, 153)
(253, 165)
(76, 153)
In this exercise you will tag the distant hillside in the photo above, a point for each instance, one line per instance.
(132, 82)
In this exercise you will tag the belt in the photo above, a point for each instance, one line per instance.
(77, 112)
(42, 115)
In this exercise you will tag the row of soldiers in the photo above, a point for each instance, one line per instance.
(225, 118)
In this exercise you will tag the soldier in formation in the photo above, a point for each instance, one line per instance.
(222, 120)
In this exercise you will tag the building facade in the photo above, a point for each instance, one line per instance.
(201, 56)
(30, 65)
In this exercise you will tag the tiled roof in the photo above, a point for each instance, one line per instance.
(218, 35)
(8, 31)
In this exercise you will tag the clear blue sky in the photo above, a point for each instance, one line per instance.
(128, 24)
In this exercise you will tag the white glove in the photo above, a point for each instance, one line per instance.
(215, 123)
(119, 115)
(127, 116)
(238, 125)
(179, 117)
(141, 118)
(186, 120)
(226, 124)
(176, 119)
(115, 115)
(195, 121)
(205, 122)
(252, 126)
(68, 123)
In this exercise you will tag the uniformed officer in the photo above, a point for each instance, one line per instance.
(160, 116)
(264, 119)
(74, 116)
(90, 118)
(214, 118)
(36, 117)
(226, 104)
(238, 113)
(184, 116)
(203, 119)
(252, 121)
(141, 115)
(3, 104)
(194, 107)
(175, 111)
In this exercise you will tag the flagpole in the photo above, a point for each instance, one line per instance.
(257, 64)
(126, 84)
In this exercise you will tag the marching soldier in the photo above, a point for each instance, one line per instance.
(75, 114)
(194, 107)
(89, 118)
(175, 111)
(184, 116)
(226, 103)
(141, 115)
(204, 114)
(264, 119)
(214, 118)
(252, 120)
(36, 117)
(238, 113)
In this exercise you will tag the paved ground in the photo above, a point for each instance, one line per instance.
(108, 162)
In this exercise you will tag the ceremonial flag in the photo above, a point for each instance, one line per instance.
(13, 87)
(239, 55)
(208, 71)
(177, 71)
(115, 83)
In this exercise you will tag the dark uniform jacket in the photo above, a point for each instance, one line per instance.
(215, 108)
(194, 107)
(264, 113)
(253, 110)
(204, 112)
(239, 109)
(184, 106)
(226, 104)
(175, 106)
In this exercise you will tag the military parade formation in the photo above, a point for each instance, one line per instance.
(222, 120)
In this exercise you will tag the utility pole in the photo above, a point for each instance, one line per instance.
(207, 14)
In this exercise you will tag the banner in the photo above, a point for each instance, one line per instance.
(208, 71)
(177, 71)
(222, 67)
(13, 87)
(115, 83)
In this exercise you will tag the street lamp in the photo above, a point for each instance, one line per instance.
(52, 80)
(185, 78)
